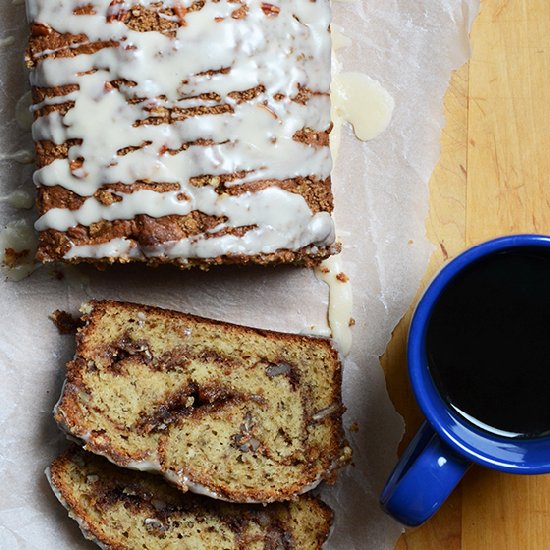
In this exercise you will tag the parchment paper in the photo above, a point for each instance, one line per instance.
(381, 202)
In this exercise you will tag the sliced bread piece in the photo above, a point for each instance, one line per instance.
(121, 509)
(235, 413)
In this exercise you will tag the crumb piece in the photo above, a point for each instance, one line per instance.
(342, 277)
(65, 322)
(351, 322)
(181, 12)
(270, 10)
(354, 427)
(12, 257)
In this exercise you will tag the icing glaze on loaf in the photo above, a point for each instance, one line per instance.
(223, 110)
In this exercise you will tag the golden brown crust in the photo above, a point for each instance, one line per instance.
(272, 399)
(124, 510)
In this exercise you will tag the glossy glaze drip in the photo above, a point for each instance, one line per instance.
(340, 301)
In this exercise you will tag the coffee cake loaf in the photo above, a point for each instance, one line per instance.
(192, 132)
(235, 413)
(124, 510)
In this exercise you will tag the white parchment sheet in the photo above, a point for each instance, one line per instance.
(381, 195)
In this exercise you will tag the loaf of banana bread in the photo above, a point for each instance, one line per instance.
(193, 132)
(235, 413)
(125, 510)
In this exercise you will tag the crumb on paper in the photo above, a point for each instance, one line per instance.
(354, 427)
(351, 322)
(58, 274)
(74, 275)
(65, 322)
(342, 277)
(13, 257)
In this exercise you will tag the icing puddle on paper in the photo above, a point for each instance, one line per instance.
(23, 114)
(8, 41)
(22, 156)
(338, 38)
(365, 104)
(18, 245)
(340, 301)
(18, 199)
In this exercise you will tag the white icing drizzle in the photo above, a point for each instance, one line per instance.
(58, 403)
(145, 466)
(284, 53)
(314, 330)
(183, 481)
(180, 479)
(340, 301)
(363, 102)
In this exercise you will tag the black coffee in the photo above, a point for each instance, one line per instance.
(488, 343)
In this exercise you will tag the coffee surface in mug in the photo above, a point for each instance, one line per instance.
(488, 343)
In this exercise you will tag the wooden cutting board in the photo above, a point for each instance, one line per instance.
(493, 178)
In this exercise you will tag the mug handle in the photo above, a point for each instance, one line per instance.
(424, 477)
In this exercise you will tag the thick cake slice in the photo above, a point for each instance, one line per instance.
(182, 131)
(124, 510)
(236, 413)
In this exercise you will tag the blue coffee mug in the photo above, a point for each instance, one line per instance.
(447, 445)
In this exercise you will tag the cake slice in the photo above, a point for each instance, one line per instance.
(181, 131)
(125, 510)
(235, 413)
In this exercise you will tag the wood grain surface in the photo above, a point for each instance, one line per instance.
(493, 178)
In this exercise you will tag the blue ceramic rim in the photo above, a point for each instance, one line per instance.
(527, 456)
